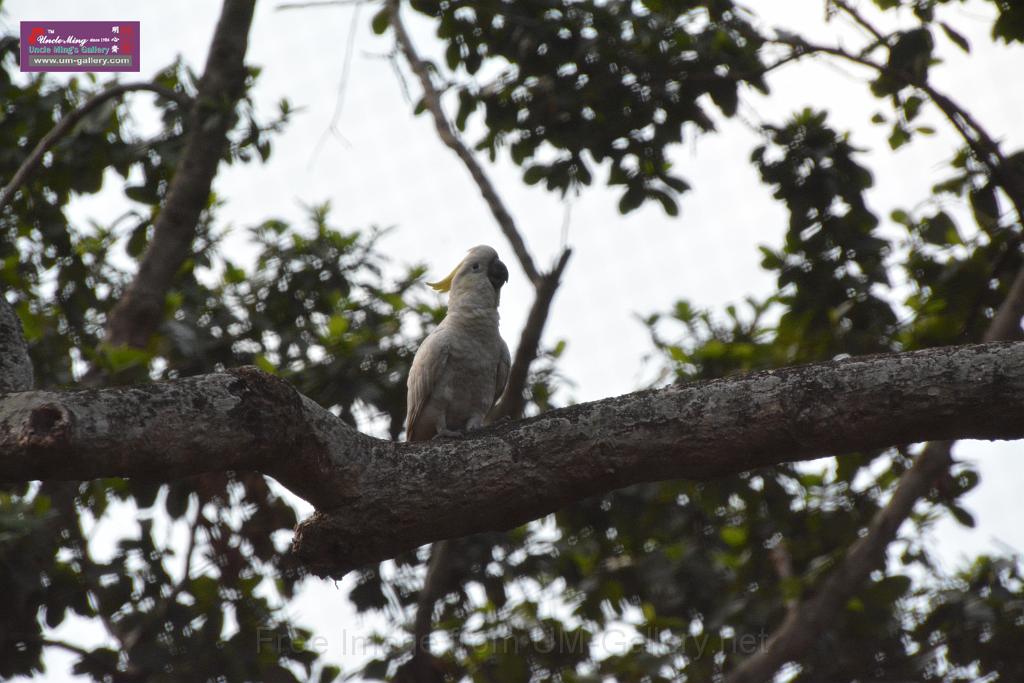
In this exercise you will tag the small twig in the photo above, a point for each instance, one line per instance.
(70, 120)
(438, 568)
(403, 84)
(859, 18)
(81, 652)
(318, 3)
(782, 562)
(513, 400)
(339, 102)
(193, 534)
(566, 223)
(432, 99)
(346, 66)
(985, 147)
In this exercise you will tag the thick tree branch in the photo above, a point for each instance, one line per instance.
(15, 364)
(240, 420)
(378, 498)
(140, 310)
(518, 472)
(521, 471)
(432, 99)
(70, 120)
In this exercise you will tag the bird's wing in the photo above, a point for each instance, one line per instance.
(504, 365)
(427, 369)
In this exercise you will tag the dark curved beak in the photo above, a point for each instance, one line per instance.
(497, 273)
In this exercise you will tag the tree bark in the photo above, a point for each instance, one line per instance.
(378, 498)
(15, 364)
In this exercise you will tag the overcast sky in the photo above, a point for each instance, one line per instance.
(381, 166)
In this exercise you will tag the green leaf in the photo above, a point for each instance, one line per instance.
(233, 274)
(261, 361)
(176, 501)
(329, 673)
(534, 174)
(791, 588)
(911, 56)
(381, 20)
(337, 325)
(667, 202)
(899, 137)
(961, 515)
(735, 536)
(956, 37)
(631, 199)
(985, 207)
(912, 107)
(1010, 24)
(143, 194)
(120, 358)
(205, 589)
(891, 588)
(138, 239)
(966, 481)
(940, 229)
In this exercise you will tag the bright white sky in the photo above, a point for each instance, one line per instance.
(384, 167)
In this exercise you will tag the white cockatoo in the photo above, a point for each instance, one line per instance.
(462, 368)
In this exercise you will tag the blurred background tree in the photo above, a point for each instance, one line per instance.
(697, 575)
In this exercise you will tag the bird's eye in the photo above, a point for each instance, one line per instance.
(476, 266)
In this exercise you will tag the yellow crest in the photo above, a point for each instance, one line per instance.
(446, 284)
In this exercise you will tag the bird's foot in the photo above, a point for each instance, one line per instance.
(445, 433)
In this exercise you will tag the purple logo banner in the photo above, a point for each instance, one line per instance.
(80, 46)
